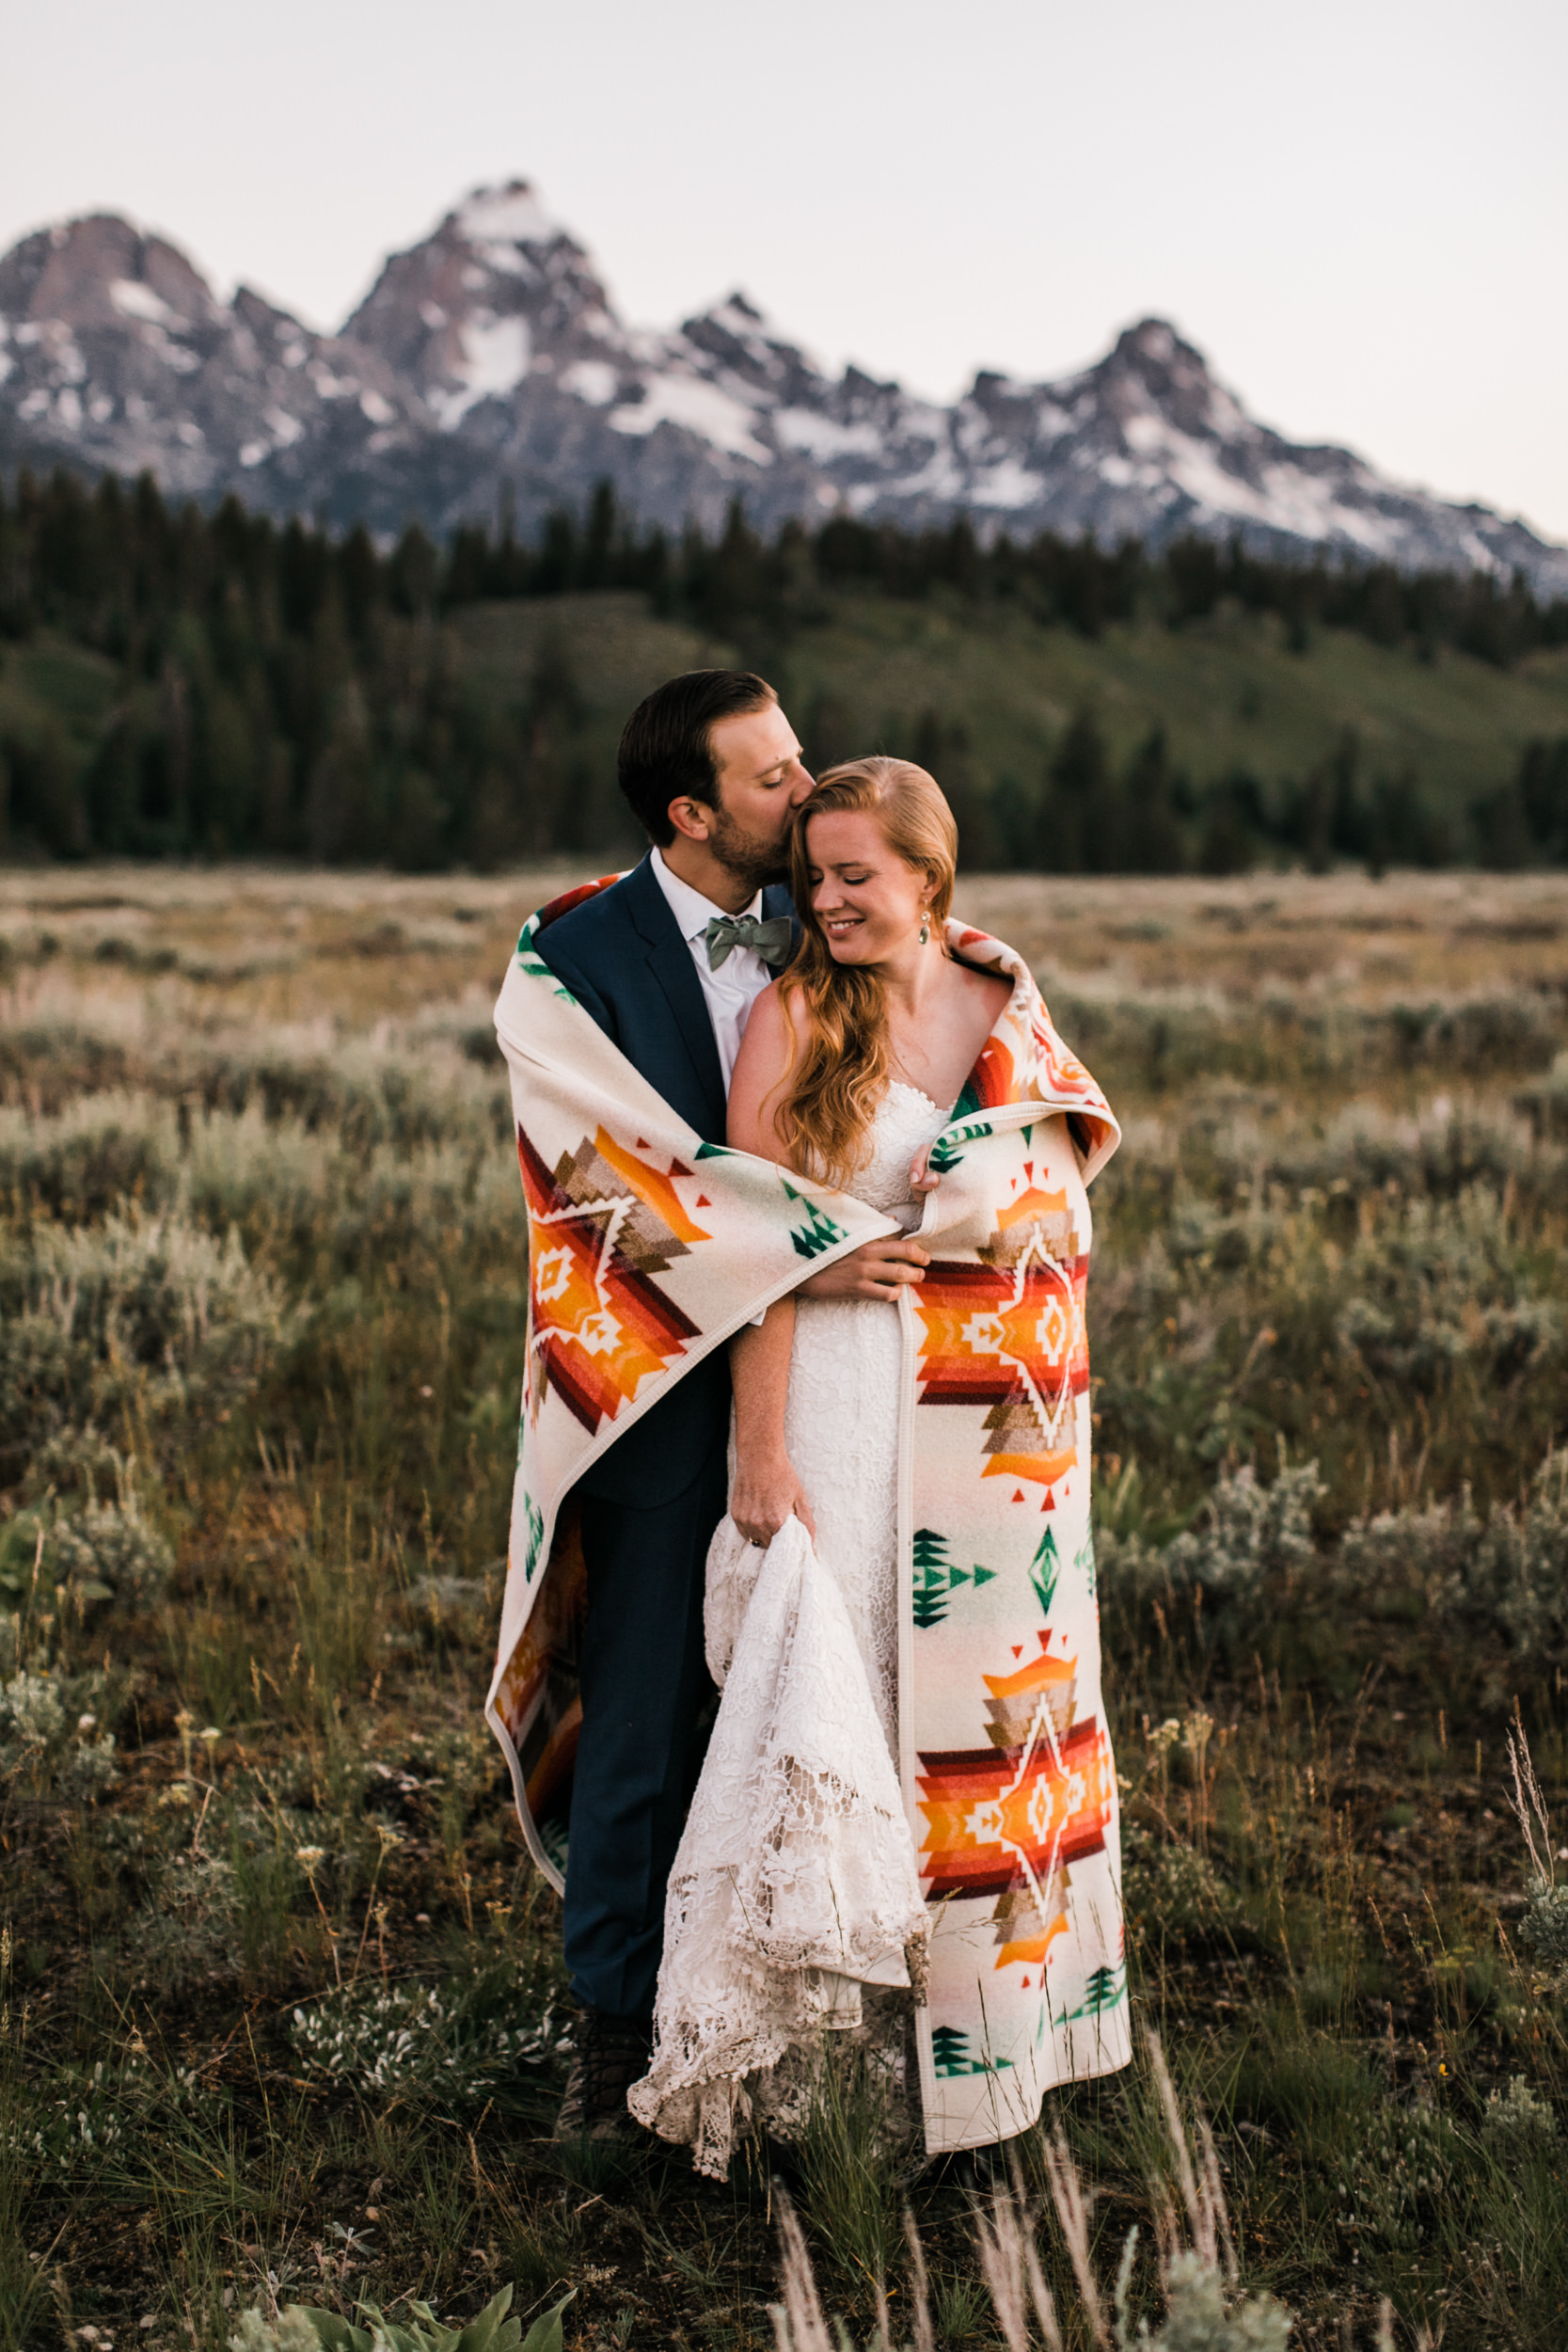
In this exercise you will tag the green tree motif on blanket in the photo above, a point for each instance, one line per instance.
(950, 2054)
(818, 1232)
(1084, 1558)
(536, 1522)
(534, 964)
(947, 1151)
(936, 1579)
(1105, 1988)
(1045, 1570)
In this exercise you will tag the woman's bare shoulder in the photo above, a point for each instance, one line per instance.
(983, 988)
(761, 1067)
(770, 1025)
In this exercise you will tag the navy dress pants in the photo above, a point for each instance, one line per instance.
(646, 1713)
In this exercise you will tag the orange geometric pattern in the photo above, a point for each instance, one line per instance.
(599, 1325)
(996, 1821)
(1011, 1337)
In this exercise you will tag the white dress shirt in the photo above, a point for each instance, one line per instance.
(730, 993)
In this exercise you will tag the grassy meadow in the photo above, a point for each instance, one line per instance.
(280, 1999)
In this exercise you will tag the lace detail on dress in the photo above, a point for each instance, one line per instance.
(841, 1421)
(795, 1880)
(796, 1883)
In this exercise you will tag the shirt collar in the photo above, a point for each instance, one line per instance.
(691, 910)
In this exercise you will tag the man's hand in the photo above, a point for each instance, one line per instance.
(765, 1494)
(877, 1269)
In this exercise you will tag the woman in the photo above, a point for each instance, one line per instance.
(864, 1671)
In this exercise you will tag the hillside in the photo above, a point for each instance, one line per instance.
(1226, 690)
(174, 683)
(984, 698)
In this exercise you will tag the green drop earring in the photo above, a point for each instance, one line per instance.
(925, 926)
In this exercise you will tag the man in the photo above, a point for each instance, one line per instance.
(669, 963)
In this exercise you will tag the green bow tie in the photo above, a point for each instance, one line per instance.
(771, 939)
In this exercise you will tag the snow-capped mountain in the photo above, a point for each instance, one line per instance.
(487, 368)
(115, 351)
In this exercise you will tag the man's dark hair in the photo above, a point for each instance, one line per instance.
(666, 751)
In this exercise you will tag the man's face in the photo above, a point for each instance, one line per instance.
(761, 784)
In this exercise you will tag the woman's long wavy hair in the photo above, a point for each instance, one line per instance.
(839, 1069)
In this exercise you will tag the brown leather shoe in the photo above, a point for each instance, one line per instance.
(611, 2054)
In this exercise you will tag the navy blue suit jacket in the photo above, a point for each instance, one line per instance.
(622, 955)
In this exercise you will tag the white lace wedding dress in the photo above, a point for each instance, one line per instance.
(796, 1881)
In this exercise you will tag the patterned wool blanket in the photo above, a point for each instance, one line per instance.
(648, 1247)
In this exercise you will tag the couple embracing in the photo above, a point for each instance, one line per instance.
(806, 1416)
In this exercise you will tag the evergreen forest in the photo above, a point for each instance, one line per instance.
(177, 683)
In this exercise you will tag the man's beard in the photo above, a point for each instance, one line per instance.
(753, 862)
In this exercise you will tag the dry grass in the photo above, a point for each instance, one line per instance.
(260, 1301)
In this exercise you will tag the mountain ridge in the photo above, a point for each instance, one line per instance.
(486, 372)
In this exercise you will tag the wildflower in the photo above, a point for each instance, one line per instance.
(308, 1857)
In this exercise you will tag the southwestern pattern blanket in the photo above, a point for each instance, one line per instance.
(648, 1248)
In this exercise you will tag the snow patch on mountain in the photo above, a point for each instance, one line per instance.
(593, 380)
(714, 414)
(493, 360)
(138, 301)
(494, 221)
(826, 437)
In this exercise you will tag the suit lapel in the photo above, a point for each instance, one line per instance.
(670, 961)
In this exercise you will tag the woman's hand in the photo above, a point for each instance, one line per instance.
(923, 1178)
(766, 1493)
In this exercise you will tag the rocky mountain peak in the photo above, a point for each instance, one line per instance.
(1152, 372)
(102, 272)
(738, 342)
(486, 371)
(496, 291)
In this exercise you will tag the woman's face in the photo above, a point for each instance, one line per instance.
(869, 904)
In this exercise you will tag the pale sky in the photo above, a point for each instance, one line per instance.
(1358, 211)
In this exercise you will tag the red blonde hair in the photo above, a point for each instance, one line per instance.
(840, 1061)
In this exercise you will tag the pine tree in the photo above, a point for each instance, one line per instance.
(413, 574)
(1153, 834)
(599, 538)
(553, 715)
(1500, 820)
(1195, 574)
(1075, 793)
(1232, 824)
(1543, 782)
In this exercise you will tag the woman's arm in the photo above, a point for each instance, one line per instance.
(766, 1490)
